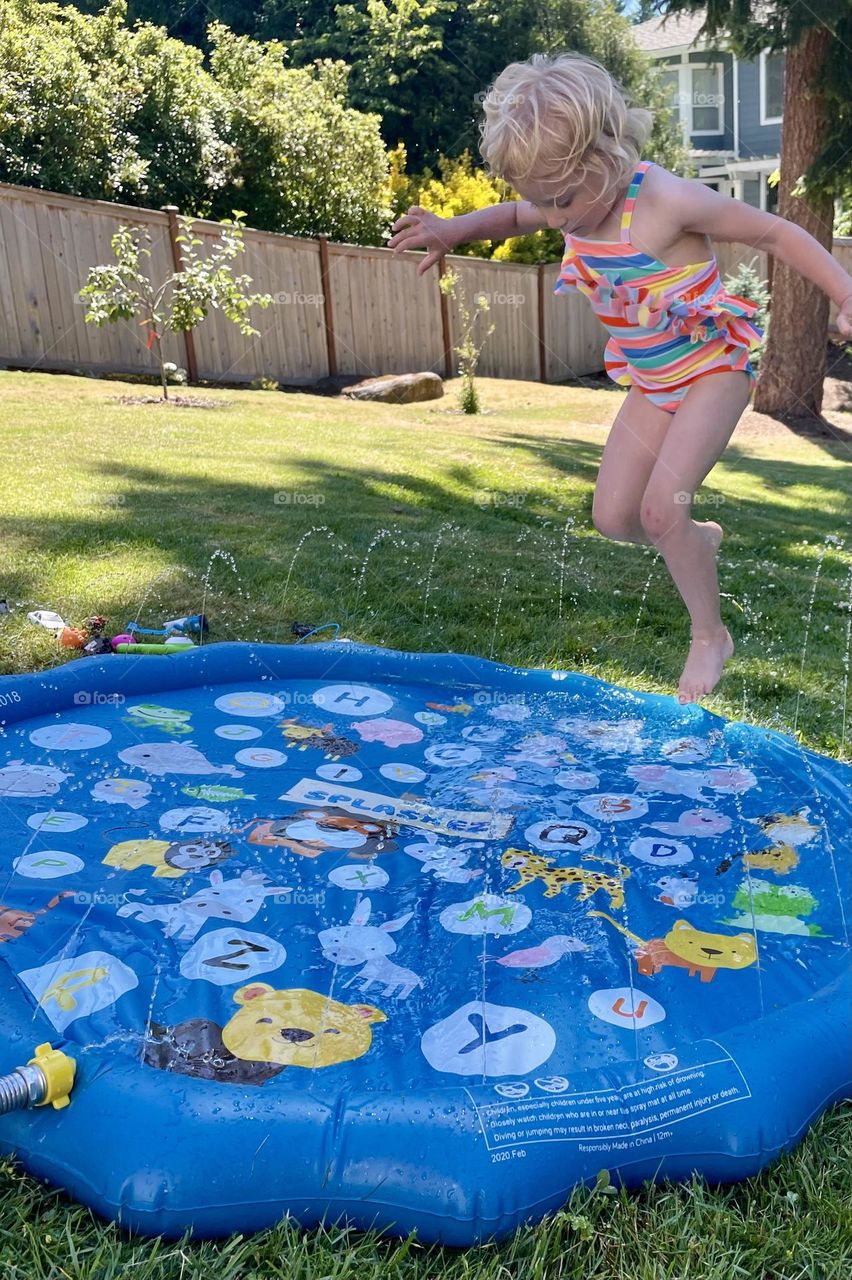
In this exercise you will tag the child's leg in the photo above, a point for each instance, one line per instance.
(698, 434)
(629, 457)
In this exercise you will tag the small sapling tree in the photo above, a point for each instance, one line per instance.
(469, 349)
(121, 290)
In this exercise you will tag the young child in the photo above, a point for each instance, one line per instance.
(558, 128)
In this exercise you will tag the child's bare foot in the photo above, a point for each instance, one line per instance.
(712, 531)
(708, 653)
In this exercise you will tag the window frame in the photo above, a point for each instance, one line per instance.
(764, 118)
(719, 68)
(685, 95)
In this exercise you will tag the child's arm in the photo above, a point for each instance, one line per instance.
(722, 218)
(421, 229)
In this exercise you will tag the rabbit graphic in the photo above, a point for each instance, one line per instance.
(369, 945)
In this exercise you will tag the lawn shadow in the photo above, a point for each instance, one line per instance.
(439, 564)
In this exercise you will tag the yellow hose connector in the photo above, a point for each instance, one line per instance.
(58, 1071)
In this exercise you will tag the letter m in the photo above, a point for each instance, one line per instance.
(478, 908)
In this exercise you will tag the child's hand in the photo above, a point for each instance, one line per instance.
(844, 317)
(419, 228)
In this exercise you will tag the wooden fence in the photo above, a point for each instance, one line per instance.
(338, 308)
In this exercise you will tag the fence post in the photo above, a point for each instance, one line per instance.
(177, 258)
(449, 370)
(542, 346)
(327, 310)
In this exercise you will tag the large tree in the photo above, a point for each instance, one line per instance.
(816, 167)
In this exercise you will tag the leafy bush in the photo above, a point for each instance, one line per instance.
(304, 161)
(93, 109)
(461, 188)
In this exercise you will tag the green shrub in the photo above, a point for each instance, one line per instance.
(93, 109)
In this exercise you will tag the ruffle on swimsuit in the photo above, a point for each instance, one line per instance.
(699, 318)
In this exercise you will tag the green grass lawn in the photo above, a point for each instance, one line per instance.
(419, 528)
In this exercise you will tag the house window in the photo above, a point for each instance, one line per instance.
(707, 99)
(751, 192)
(695, 97)
(670, 79)
(771, 87)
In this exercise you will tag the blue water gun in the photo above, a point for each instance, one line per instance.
(192, 624)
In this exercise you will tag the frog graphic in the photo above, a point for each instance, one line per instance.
(149, 715)
(775, 908)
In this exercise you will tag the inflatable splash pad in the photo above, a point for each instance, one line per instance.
(418, 940)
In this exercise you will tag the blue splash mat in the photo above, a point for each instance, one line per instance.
(418, 939)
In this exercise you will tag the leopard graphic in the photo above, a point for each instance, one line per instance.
(532, 866)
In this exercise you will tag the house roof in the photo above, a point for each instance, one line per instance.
(671, 31)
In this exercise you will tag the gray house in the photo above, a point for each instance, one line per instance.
(729, 109)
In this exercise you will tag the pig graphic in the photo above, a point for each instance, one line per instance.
(695, 822)
(691, 782)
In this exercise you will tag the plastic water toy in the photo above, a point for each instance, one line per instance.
(173, 645)
(48, 619)
(192, 624)
(420, 940)
(88, 637)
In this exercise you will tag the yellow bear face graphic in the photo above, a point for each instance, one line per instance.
(716, 950)
(298, 1028)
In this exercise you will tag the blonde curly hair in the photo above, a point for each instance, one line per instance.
(560, 117)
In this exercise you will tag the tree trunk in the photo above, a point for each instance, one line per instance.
(163, 381)
(793, 365)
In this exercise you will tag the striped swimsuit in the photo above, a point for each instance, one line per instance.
(668, 326)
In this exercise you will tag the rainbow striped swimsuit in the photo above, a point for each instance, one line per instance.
(668, 326)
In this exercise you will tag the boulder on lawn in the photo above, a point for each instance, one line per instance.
(397, 388)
